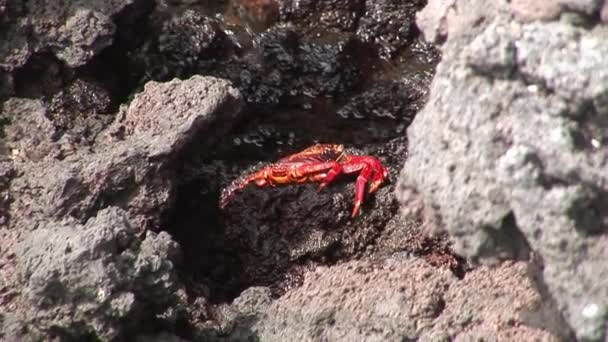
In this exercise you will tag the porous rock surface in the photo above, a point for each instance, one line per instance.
(396, 299)
(84, 280)
(72, 258)
(73, 30)
(511, 150)
(77, 195)
(128, 165)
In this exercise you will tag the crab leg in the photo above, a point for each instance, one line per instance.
(260, 178)
(318, 177)
(335, 170)
(379, 175)
(307, 170)
(360, 187)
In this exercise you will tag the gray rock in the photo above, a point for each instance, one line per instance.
(534, 10)
(128, 166)
(83, 271)
(166, 116)
(511, 151)
(394, 300)
(454, 18)
(486, 304)
(74, 31)
(87, 280)
(85, 33)
(29, 134)
(528, 11)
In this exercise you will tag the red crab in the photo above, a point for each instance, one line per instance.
(319, 163)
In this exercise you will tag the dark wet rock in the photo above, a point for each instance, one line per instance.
(394, 300)
(162, 337)
(92, 280)
(387, 107)
(254, 15)
(511, 152)
(7, 172)
(293, 62)
(79, 109)
(389, 24)
(173, 41)
(306, 220)
(186, 38)
(342, 15)
(325, 67)
(289, 65)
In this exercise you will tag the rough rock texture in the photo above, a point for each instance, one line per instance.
(394, 300)
(439, 19)
(511, 153)
(86, 185)
(29, 136)
(495, 303)
(86, 280)
(73, 30)
(187, 37)
(265, 235)
(387, 24)
(276, 228)
(549, 9)
(72, 261)
(291, 64)
(81, 110)
(6, 173)
(127, 167)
